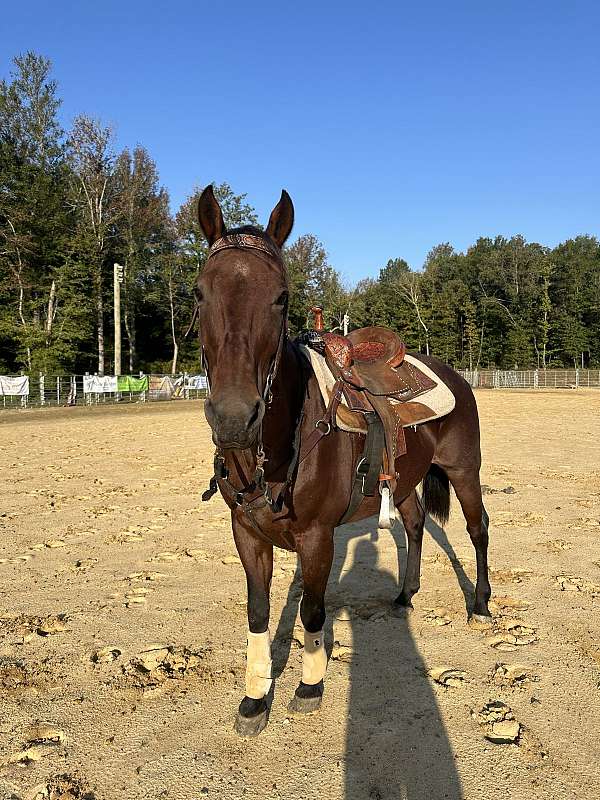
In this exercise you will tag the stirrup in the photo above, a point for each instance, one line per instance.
(387, 515)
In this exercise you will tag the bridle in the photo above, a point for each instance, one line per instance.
(258, 489)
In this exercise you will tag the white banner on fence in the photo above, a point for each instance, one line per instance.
(99, 384)
(197, 382)
(14, 386)
(161, 387)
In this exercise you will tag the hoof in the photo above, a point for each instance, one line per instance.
(305, 705)
(479, 621)
(250, 726)
(401, 610)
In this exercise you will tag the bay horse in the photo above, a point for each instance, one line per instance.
(263, 405)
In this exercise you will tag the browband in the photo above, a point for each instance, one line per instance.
(244, 240)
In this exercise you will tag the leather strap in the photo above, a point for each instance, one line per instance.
(366, 477)
(248, 241)
(324, 425)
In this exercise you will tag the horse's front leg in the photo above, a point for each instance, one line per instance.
(257, 559)
(316, 555)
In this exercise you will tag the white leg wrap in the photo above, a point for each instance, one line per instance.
(258, 665)
(314, 658)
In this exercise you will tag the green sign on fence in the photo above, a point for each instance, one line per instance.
(128, 383)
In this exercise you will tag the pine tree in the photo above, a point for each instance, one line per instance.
(33, 216)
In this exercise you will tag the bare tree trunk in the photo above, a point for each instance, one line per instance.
(129, 319)
(50, 313)
(175, 354)
(22, 317)
(425, 328)
(100, 321)
(411, 293)
(129, 314)
(545, 342)
(131, 339)
(175, 345)
(480, 345)
(19, 276)
(537, 352)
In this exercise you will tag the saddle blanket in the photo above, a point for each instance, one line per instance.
(430, 405)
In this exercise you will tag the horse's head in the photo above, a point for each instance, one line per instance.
(243, 295)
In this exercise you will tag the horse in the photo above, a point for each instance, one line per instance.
(263, 405)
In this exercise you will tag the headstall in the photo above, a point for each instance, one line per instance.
(258, 488)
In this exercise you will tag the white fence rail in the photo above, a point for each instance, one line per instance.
(23, 391)
(532, 378)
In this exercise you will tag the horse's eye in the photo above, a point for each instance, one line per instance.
(199, 295)
(281, 300)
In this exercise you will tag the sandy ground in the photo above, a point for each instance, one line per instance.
(122, 624)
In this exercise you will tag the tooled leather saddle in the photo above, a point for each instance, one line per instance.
(369, 368)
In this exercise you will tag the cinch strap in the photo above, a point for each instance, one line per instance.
(366, 477)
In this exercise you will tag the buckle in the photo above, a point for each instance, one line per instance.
(362, 470)
(327, 430)
(259, 477)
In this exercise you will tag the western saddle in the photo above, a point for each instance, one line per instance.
(369, 369)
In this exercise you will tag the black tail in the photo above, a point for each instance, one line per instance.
(436, 494)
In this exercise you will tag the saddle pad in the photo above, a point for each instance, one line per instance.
(435, 403)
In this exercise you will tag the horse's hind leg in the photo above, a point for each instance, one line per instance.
(468, 490)
(413, 518)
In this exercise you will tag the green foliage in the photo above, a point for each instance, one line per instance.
(70, 207)
(313, 282)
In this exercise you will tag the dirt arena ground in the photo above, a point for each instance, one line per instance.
(122, 624)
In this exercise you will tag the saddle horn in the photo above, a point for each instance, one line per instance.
(318, 312)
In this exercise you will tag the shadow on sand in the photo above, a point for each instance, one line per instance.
(396, 742)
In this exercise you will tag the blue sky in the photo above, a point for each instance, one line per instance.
(394, 125)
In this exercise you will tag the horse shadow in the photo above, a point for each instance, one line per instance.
(396, 743)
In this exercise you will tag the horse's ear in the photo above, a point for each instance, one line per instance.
(281, 220)
(210, 216)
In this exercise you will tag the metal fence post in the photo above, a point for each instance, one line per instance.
(58, 390)
(42, 395)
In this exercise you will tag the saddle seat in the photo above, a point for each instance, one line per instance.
(372, 360)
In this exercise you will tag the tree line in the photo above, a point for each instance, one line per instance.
(71, 206)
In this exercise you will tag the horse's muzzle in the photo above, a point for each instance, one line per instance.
(235, 422)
